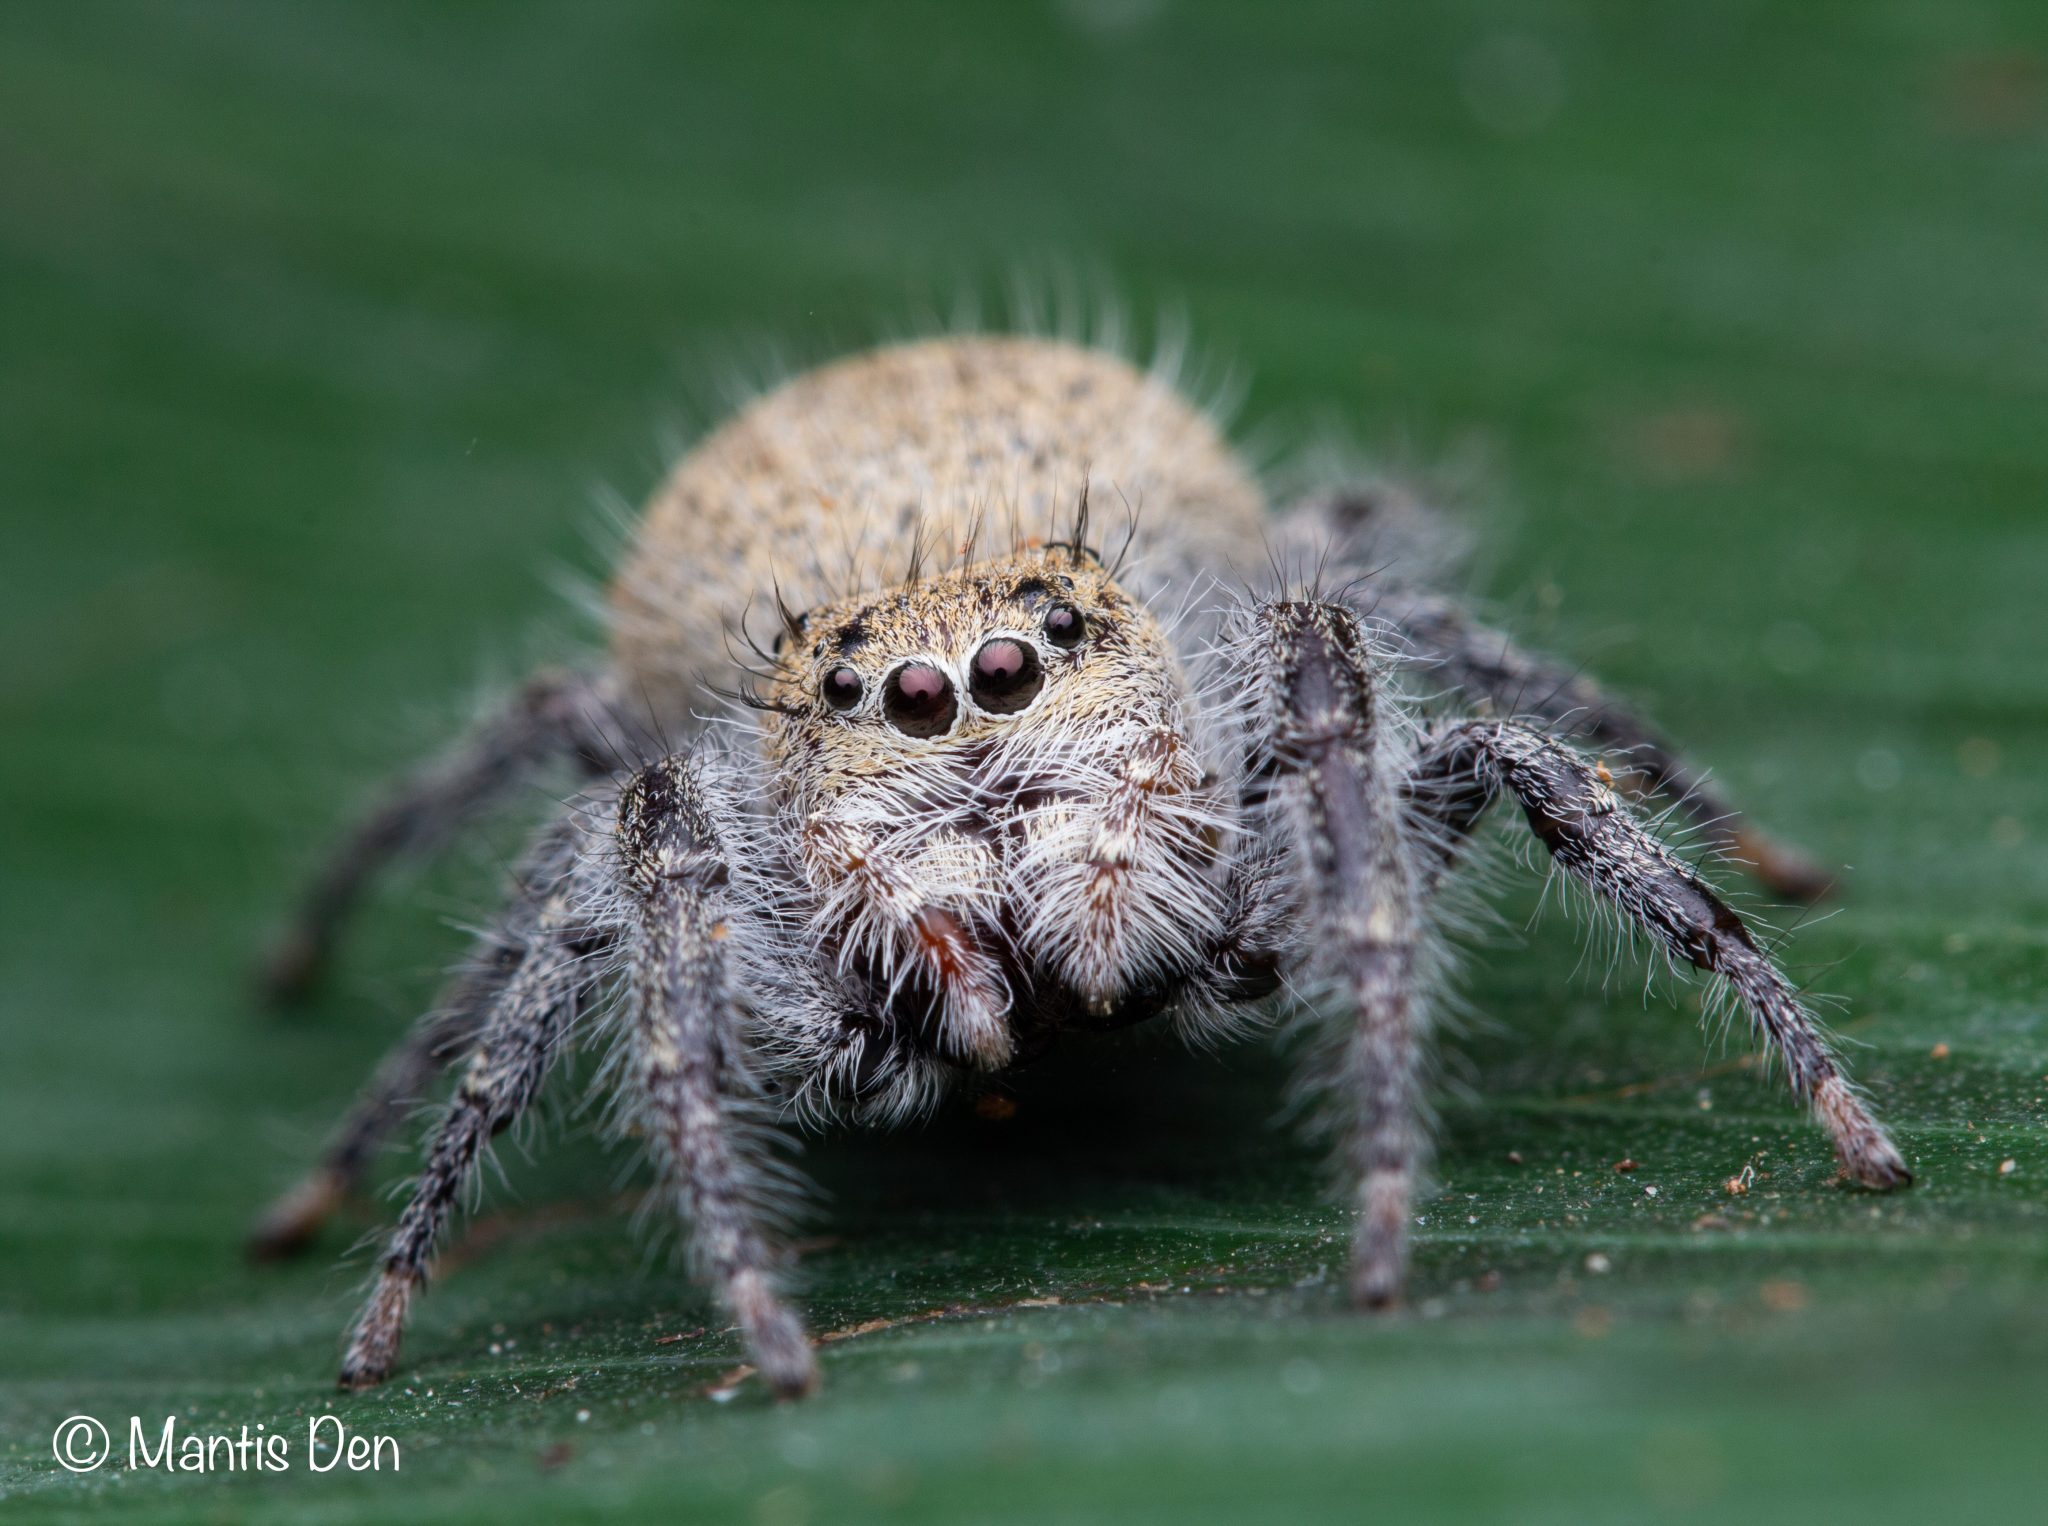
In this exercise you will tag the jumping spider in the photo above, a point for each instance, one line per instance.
(1015, 794)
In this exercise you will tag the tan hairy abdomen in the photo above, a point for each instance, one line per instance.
(818, 489)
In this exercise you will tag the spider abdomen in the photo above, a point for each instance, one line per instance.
(835, 482)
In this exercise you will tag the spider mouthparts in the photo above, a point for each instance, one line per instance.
(974, 1003)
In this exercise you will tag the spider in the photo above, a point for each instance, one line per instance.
(988, 792)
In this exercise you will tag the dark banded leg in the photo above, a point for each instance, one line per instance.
(533, 1012)
(403, 1079)
(1594, 837)
(1498, 677)
(1360, 904)
(405, 1076)
(556, 715)
(685, 1064)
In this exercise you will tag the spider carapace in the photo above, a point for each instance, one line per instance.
(986, 784)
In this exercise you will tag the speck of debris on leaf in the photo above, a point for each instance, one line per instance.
(1625, 1164)
(1514, 1157)
(1598, 1264)
(2007, 1167)
(1784, 1295)
(1938, 1052)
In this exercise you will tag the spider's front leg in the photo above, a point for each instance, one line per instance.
(1359, 898)
(1594, 836)
(686, 1064)
(664, 907)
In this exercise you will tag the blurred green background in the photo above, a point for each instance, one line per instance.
(324, 328)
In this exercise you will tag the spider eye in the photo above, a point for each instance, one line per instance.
(1065, 626)
(1006, 676)
(918, 700)
(842, 688)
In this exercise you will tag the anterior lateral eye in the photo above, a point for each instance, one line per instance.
(1065, 626)
(842, 688)
(1006, 675)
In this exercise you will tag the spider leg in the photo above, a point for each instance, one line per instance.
(532, 1012)
(1593, 836)
(288, 1226)
(408, 1072)
(1361, 907)
(1508, 680)
(686, 1063)
(555, 715)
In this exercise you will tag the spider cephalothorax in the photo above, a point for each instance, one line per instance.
(1003, 822)
(974, 808)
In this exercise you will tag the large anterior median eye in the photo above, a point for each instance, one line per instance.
(1006, 676)
(842, 688)
(918, 700)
